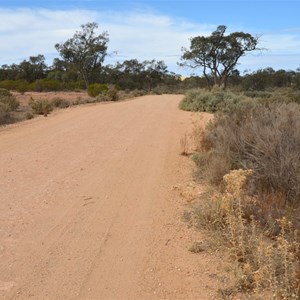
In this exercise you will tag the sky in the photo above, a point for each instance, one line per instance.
(151, 29)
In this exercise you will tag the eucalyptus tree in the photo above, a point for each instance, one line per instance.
(218, 54)
(85, 52)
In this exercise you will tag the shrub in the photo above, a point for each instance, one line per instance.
(263, 138)
(5, 117)
(8, 101)
(60, 103)
(211, 101)
(22, 86)
(263, 265)
(40, 106)
(7, 84)
(29, 115)
(96, 88)
(258, 94)
(47, 85)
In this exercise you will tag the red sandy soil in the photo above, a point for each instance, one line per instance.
(90, 206)
(70, 96)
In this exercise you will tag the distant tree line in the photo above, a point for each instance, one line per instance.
(81, 59)
(81, 64)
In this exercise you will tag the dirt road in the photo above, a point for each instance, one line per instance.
(89, 206)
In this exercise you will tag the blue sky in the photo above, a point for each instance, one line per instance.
(151, 29)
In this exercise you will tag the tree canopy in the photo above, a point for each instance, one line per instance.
(84, 52)
(218, 53)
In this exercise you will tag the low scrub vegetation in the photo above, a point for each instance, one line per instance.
(40, 106)
(265, 268)
(8, 104)
(226, 101)
(95, 89)
(60, 102)
(250, 152)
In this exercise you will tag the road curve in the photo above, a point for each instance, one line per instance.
(88, 208)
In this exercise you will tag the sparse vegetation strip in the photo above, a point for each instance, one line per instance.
(249, 153)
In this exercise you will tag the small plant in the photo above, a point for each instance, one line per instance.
(40, 106)
(8, 101)
(60, 103)
(184, 145)
(29, 115)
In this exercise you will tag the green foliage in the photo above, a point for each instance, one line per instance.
(84, 52)
(32, 69)
(47, 85)
(96, 88)
(40, 106)
(211, 101)
(20, 85)
(218, 53)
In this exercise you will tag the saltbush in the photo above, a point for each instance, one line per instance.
(8, 101)
(60, 103)
(210, 101)
(263, 138)
(40, 106)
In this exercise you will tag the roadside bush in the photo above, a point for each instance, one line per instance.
(263, 265)
(40, 106)
(60, 103)
(113, 94)
(8, 101)
(96, 88)
(211, 101)
(263, 138)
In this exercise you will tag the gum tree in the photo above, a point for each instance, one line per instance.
(218, 54)
(84, 52)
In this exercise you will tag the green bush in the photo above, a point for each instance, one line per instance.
(40, 106)
(47, 85)
(22, 86)
(7, 84)
(211, 101)
(96, 89)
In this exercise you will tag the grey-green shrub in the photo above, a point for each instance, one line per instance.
(60, 103)
(211, 101)
(264, 138)
(40, 106)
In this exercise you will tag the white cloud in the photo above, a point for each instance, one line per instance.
(141, 35)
